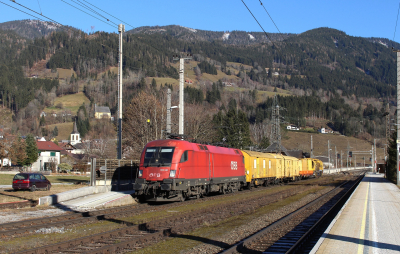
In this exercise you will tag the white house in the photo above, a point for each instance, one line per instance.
(292, 128)
(6, 162)
(48, 152)
(322, 130)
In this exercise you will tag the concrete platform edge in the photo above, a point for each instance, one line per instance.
(68, 195)
(322, 238)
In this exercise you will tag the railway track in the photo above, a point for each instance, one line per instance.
(19, 204)
(133, 236)
(300, 230)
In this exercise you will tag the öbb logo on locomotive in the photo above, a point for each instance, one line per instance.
(175, 170)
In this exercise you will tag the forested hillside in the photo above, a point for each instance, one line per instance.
(343, 79)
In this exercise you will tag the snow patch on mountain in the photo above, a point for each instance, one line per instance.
(225, 36)
(190, 29)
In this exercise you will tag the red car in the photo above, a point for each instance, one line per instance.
(174, 170)
(30, 181)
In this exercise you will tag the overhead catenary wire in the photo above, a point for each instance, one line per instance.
(260, 26)
(40, 8)
(108, 14)
(88, 14)
(22, 11)
(90, 9)
(396, 22)
(35, 12)
(271, 19)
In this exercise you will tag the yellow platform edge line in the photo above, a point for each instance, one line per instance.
(362, 232)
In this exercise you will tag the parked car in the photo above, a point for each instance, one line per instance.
(30, 181)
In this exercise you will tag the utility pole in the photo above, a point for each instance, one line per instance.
(121, 30)
(181, 90)
(335, 158)
(329, 156)
(341, 160)
(398, 116)
(312, 150)
(168, 111)
(374, 155)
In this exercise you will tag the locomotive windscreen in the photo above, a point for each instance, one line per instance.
(158, 156)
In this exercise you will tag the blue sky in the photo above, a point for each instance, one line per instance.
(367, 18)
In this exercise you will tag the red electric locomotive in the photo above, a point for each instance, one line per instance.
(174, 170)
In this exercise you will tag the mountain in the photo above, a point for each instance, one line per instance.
(31, 29)
(232, 38)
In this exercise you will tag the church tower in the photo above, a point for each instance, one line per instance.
(75, 136)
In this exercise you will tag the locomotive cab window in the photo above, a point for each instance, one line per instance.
(158, 156)
(184, 157)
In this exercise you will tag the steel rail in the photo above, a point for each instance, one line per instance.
(260, 234)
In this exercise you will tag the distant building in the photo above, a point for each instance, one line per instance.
(188, 81)
(101, 112)
(75, 137)
(292, 128)
(48, 153)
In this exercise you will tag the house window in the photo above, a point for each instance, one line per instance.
(52, 154)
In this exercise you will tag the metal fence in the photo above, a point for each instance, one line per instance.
(120, 174)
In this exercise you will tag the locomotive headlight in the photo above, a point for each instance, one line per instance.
(248, 172)
(140, 173)
(172, 173)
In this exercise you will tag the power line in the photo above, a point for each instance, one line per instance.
(271, 19)
(36, 12)
(260, 25)
(40, 8)
(108, 14)
(396, 21)
(88, 13)
(90, 9)
(22, 11)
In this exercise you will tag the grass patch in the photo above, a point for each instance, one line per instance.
(6, 179)
(64, 130)
(208, 232)
(9, 195)
(65, 73)
(71, 102)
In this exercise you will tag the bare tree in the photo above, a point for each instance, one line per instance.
(142, 121)
(199, 125)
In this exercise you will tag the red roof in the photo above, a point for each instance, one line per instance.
(47, 146)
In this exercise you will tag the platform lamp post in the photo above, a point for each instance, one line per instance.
(181, 89)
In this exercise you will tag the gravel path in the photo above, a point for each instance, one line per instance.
(24, 214)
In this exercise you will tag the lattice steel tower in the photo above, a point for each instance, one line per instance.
(276, 127)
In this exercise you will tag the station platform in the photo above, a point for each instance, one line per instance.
(98, 201)
(368, 223)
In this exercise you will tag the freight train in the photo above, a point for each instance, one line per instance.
(175, 170)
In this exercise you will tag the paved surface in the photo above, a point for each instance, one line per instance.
(368, 223)
(99, 200)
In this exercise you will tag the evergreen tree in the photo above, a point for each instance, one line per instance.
(391, 167)
(55, 131)
(233, 128)
(31, 149)
(42, 121)
(154, 85)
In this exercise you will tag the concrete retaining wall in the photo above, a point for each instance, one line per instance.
(64, 196)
